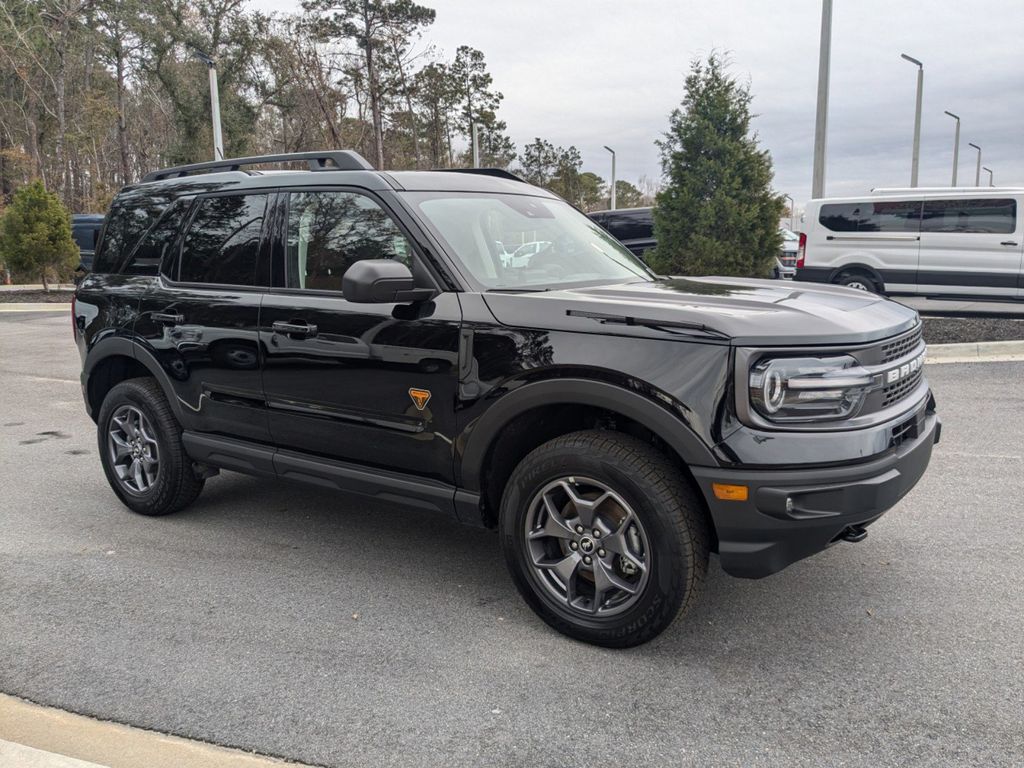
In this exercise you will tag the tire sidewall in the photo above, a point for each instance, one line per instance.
(669, 560)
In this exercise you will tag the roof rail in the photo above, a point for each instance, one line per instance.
(335, 160)
(496, 172)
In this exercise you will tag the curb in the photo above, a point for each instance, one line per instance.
(55, 738)
(35, 306)
(976, 352)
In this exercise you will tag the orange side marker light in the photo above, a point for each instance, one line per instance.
(725, 492)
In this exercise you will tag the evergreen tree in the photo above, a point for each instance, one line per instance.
(717, 213)
(35, 234)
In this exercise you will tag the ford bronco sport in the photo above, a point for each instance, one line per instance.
(358, 329)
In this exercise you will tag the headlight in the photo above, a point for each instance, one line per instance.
(794, 389)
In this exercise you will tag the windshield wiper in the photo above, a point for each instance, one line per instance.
(661, 325)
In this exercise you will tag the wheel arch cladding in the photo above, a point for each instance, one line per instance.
(118, 359)
(553, 408)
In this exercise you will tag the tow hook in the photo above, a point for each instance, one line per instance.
(854, 533)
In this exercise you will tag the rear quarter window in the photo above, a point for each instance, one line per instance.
(130, 217)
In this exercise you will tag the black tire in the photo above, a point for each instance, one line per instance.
(671, 514)
(175, 484)
(859, 281)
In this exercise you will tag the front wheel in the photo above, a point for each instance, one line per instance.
(604, 538)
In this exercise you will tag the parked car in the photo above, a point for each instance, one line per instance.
(950, 243)
(785, 262)
(85, 231)
(359, 330)
(634, 228)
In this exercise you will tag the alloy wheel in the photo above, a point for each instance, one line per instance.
(134, 453)
(587, 547)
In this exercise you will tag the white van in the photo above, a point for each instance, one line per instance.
(964, 242)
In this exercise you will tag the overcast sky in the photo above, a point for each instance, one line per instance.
(591, 72)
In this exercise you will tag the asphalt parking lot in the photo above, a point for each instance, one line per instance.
(326, 629)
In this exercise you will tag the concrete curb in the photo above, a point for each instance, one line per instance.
(35, 306)
(976, 352)
(53, 736)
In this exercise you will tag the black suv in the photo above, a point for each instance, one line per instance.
(358, 329)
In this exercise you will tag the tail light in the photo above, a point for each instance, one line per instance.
(801, 251)
(74, 322)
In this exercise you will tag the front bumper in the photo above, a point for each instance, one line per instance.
(791, 514)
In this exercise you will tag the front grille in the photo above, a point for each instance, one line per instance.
(897, 348)
(896, 392)
(788, 261)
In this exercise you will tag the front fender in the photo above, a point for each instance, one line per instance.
(656, 416)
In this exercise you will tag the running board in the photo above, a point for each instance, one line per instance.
(394, 487)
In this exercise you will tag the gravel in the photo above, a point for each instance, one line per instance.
(954, 330)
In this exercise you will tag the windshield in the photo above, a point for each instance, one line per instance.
(788, 234)
(515, 242)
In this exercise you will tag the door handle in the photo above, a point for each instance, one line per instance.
(1008, 242)
(294, 329)
(166, 317)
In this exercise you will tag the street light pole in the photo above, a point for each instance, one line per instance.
(956, 144)
(977, 171)
(990, 181)
(211, 66)
(476, 145)
(821, 115)
(792, 213)
(917, 118)
(613, 176)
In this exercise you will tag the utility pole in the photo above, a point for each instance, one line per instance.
(917, 119)
(476, 145)
(792, 213)
(956, 144)
(218, 137)
(821, 116)
(991, 183)
(613, 176)
(977, 171)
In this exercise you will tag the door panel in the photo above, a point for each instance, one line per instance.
(341, 388)
(337, 375)
(971, 247)
(208, 343)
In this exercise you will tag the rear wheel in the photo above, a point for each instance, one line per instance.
(141, 450)
(858, 281)
(603, 538)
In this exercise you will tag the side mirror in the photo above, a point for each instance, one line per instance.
(381, 281)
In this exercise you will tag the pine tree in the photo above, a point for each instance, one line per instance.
(35, 234)
(717, 213)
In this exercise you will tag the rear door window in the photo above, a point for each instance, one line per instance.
(872, 216)
(986, 216)
(223, 241)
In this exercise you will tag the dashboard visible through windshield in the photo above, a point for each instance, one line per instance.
(510, 242)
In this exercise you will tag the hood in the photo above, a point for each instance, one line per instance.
(744, 311)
